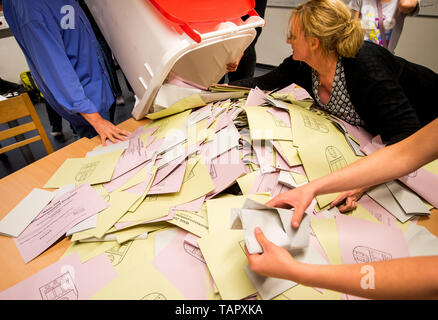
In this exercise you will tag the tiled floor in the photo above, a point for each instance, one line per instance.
(14, 160)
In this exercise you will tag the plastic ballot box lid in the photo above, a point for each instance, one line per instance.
(184, 12)
(148, 45)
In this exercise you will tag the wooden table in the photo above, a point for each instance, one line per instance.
(19, 184)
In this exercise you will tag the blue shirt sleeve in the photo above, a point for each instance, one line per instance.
(46, 49)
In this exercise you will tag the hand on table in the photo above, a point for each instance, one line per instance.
(273, 262)
(105, 128)
(298, 198)
(351, 197)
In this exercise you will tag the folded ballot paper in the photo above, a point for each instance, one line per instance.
(182, 99)
(275, 224)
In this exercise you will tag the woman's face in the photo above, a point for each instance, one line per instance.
(298, 41)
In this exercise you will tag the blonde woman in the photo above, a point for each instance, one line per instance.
(359, 82)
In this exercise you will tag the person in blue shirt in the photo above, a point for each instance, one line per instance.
(67, 63)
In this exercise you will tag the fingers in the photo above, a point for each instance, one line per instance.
(278, 202)
(124, 132)
(339, 199)
(260, 236)
(349, 205)
(296, 218)
(112, 133)
(102, 140)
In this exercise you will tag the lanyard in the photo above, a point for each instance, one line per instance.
(381, 28)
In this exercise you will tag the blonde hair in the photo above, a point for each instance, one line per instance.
(331, 22)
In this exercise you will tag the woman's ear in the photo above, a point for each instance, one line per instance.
(314, 43)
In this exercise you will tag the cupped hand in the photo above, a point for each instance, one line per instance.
(232, 66)
(350, 197)
(273, 262)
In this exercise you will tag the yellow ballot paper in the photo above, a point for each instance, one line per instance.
(184, 104)
(362, 213)
(321, 146)
(196, 183)
(194, 222)
(432, 167)
(89, 250)
(119, 203)
(290, 152)
(309, 125)
(322, 158)
(263, 126)
(94, 170)
(298, 178)
(327, 233)
(226, 261)
(245, 182)
(198, 132)
(128, 255)
(132, 232)
(168, 124)
(148, 172)
(143, 282)
(81, 235)
(219, 210)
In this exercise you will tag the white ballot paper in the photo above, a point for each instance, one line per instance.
(275, 224)
(22, 215)
(86, 224)
(420, 241)
(382, 195)
(269, 287)
(408, 200)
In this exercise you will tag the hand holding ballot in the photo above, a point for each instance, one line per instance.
(275, 261)
(298, 198)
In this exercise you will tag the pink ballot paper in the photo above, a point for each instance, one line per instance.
(57, 218)
(67, 279)
(363, 241)
(183, 265)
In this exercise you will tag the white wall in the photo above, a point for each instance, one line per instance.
(418, 42)
(12, 60)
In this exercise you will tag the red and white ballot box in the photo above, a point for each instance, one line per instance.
(195, 39)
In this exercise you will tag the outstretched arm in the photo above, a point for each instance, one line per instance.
(383, 165)
(392, 279)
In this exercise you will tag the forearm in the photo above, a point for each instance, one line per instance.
(277, 78)
(386, 164)
(92, 118)
(405, 278)
(383, 165)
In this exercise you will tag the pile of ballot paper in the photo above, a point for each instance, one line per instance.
(167, 213)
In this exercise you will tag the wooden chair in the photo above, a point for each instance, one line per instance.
(16, 108)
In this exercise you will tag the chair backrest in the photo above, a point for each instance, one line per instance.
(16, 108)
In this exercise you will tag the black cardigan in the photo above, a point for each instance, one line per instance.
(393, 96)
